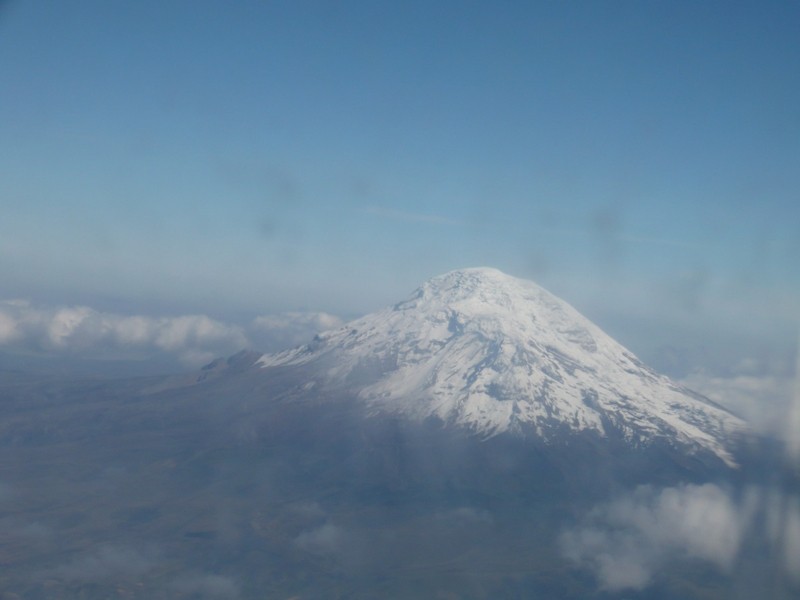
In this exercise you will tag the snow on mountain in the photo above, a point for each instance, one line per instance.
(493, 353)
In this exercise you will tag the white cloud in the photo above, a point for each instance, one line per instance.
(285, 330)
(764, 400)
(77, 323)
(319, 321)
(84, 331)
(627, 541)
(8, 328)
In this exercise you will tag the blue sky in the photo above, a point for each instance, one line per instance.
(640, 159)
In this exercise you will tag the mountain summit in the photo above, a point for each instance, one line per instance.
(491, 353)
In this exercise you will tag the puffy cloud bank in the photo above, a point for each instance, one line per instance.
(81, 331)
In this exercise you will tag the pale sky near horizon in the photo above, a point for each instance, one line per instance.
(641, 160)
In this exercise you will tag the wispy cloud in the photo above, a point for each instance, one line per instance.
(285, 330)
(113, 564)
(656, 241)
(615, 236)
(765, 400)
(205, 585)
(409, 217)
(326, 539)
(108, 563)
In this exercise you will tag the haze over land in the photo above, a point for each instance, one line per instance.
(479, 439)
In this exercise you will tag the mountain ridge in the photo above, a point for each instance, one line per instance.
(492, 353)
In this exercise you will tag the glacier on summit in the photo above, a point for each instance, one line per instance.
(493, 353)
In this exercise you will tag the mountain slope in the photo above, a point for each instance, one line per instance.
(492, 353)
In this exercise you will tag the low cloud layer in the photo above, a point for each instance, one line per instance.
(627, 542)
(81, 331)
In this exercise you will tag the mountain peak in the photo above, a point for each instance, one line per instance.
(483, 350)
(503, 308)
(472, 276)
(485, 283)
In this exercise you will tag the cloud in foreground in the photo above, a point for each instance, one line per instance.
(626, 542)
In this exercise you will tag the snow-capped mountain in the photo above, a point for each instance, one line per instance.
(492, 353)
